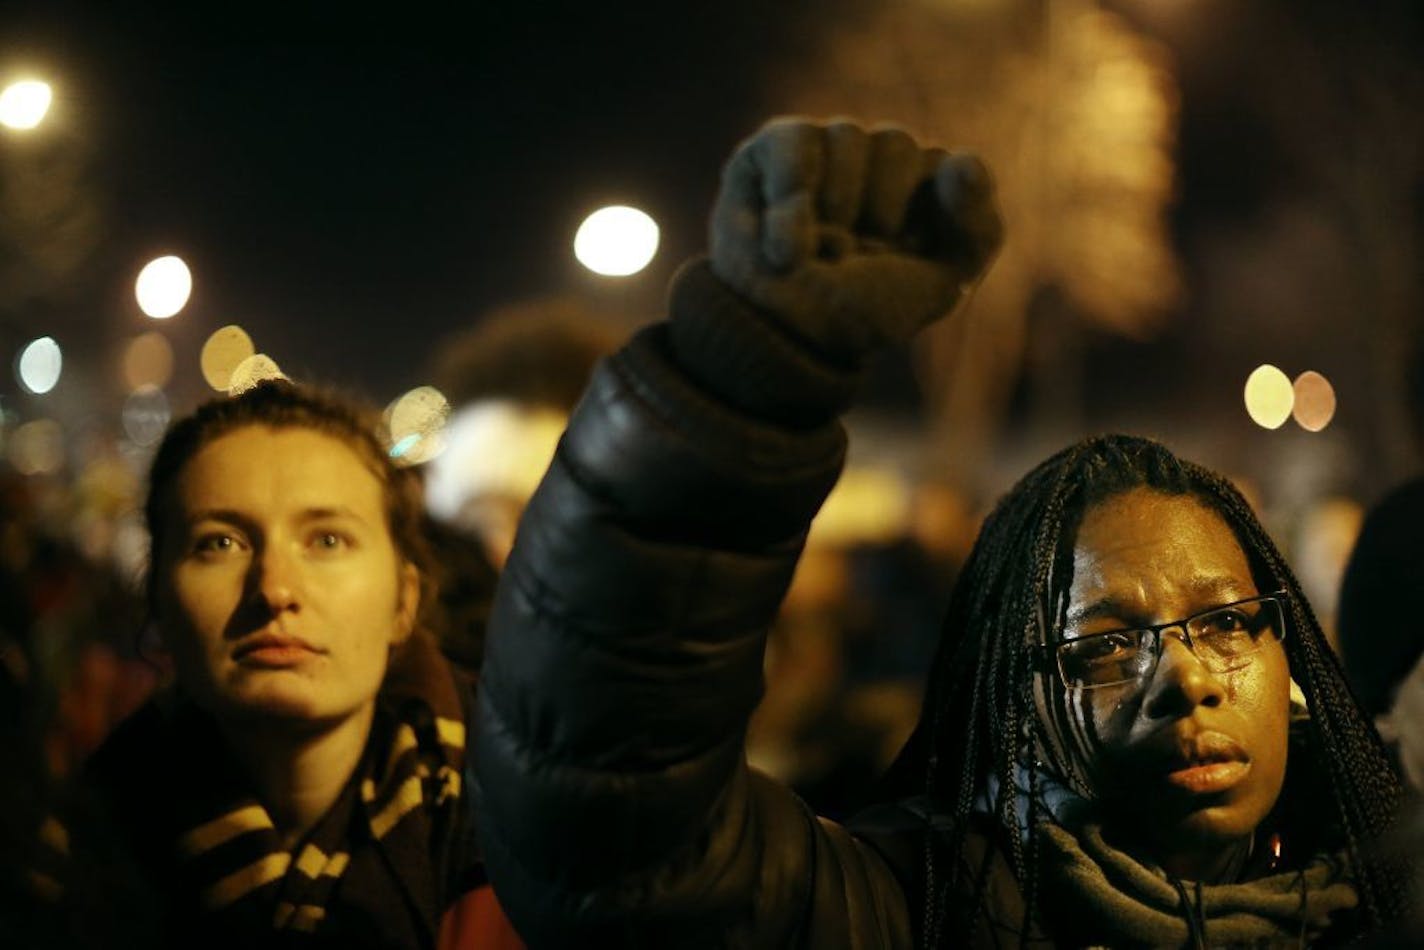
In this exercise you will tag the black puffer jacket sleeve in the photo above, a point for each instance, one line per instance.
(625, 656)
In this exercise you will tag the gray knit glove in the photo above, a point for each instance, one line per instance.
(851, 239)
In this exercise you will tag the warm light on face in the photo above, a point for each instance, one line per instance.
(163, 287)
(39, 365)
(416, 425)
(224, 352)
(283, 531)
(1146, 557)
(23, 105)
(1269, 397)
(616, 241)
(1314, 401)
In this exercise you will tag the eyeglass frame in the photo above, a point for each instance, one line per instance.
(1051, 652)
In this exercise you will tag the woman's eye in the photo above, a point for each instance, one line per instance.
(1108, 647)
(1114, 644)
(329, 541)
(216, 544)
(1227, 621)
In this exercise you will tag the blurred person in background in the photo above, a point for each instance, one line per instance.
(1324, 536)
(1382, 636)
(303, 781)
(512, 381)
(67, 672)
(846, 653)
(1382, 602)
(1107, 753)
(464, 585)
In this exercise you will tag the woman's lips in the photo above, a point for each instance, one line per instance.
(1210, 777)
(1202, 762)
(273, 652)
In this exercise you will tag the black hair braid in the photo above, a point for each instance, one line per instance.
(1358, 764)
(961, 685)
(997, 703)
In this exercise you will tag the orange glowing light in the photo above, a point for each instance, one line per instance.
(1314, 401)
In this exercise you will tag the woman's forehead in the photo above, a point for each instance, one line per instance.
(1148, 547)
(271, 469)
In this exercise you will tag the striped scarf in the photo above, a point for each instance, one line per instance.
(378, 869)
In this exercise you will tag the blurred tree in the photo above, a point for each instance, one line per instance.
(1076, 114)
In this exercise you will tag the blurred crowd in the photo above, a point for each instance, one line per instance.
(844, 664)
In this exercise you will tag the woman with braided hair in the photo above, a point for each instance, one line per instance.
(1108, 753)
(1165, 742)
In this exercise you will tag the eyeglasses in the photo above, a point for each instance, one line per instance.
(1223, 639)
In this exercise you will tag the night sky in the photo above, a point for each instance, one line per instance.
(354, 188)
(353, 191)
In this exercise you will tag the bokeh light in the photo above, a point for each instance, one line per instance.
(37, 448)
(1269, 397)
(415, 423)
(145, 415)
(497, 452)
(163, 287)
(251, 371)
(23, 104)
(1314, 401)
(867, 506)
(148, 361)
(224, 352)
(39, 365)
(616, 241)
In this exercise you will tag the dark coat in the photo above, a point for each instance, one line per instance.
(625, 658)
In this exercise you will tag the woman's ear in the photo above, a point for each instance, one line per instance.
(407, 602)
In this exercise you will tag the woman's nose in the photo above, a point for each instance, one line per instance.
(276, 581)
(1181, 681)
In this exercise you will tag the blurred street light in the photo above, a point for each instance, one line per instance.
(1314, 401)
(1269, 397)
(147, 361)
(39, 365)
(251, 371)
(616, 241)
(415, 425)
(37, 447)
(145, 415)
(224, 351)
(23, 104)
(163, 287)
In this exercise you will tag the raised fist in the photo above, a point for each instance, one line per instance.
(851, 239)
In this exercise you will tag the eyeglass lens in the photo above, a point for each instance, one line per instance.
(1223, 639)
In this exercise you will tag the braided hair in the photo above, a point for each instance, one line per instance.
(980, 727)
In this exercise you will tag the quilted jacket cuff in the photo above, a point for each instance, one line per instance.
(738, 354)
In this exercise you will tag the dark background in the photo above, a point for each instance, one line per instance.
(355, 187)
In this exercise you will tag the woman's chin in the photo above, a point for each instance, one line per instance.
(293, 701)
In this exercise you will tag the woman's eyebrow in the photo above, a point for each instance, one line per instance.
(328, 513)
(1105, 607)
(1223, 588)
(226, 515)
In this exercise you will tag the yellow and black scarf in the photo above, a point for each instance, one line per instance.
(379, 869)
